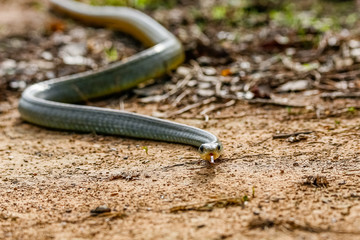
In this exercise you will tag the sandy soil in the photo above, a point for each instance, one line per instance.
(51, 180)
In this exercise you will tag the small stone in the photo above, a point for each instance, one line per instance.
(100, 210)
(245, 65)
(332, 41)
(291, 86)
(47, 56)
(206, 92)
(73, 54)
(210, 71)
(192, 83)
(249, 95)
(354, 43)
(281, 39)
(204, 60)
(183, 71)
(7, 67)
(49, 75)
(8, 64)
(355, 52)
(256, 212)
(204, 85)
(17, 84)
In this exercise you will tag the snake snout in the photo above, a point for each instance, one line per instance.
(210, 151)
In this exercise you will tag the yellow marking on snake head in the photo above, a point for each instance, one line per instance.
(210, 151)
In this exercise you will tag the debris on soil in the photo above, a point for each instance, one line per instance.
(334, 95)
(287, 135)
(282, 102)
(146, 149)
(293, 86)
(289, 225)
(261, 223)
(109, 216)
(249, 71)
(211, 205)
(99, 210)
(128, 176)
(297, 138)
(316, 181)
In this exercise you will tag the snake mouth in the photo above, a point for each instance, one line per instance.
(212, 160)
(210, 151)
(211, 157)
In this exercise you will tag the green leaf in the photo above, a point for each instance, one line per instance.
(218, 12)
(146, 149)
(111, 54)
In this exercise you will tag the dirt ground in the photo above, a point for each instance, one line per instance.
(262, 188)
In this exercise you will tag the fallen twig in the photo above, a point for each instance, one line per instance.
(192, 106)
(334, 95)
(158, 98)
(343, 76)
(275, 102)
(221, 106)
(211, 205)
(286, 135)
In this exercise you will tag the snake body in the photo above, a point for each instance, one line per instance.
(52, 103)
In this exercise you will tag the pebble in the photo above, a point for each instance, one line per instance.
(204, 85)
(355, 52)
(256, 212)
(49, 75)
(222, 35)
(249, 95)
(17, 84)
(47, 56)
(192, 83)
(354, 43)
(7, 67)
(100, 210)
(210, 71)
(297, 85)
(206, 92)
(245, 65)
(183, 71)
(73, 54)
(204, 60)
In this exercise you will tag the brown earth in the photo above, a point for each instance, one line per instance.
(262, 188)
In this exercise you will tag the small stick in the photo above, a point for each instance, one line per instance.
(215, 117)
(221, 106)
(275, 102)
(334, 95)
(180, 97)
(121, 102)
(286, 135)
(192, 106)
(346, 75)
(158, 98)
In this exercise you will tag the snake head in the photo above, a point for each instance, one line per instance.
(210, 151)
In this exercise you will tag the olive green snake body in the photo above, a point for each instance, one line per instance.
(51, 103)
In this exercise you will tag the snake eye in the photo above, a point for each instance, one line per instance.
(201, 148)
(218, 147)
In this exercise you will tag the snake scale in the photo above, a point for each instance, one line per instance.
(54, 103)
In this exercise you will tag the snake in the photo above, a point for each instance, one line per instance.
(57, 103)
